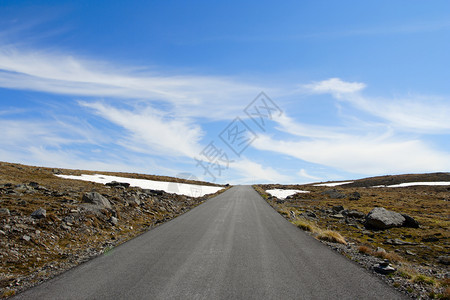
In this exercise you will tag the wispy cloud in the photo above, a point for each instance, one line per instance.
(304, 174)
(189, 95)
(362, 155)
(427, 114)
(249, 171)
(334, 86)
(150, 130)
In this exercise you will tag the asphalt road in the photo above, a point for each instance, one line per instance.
(234, 246)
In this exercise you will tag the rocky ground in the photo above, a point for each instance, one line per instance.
(406, 243)
(49, 224)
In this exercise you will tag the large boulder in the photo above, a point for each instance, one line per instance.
(96, 199)
(381, 218)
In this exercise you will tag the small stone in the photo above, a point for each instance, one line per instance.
(26, 238)
(384, 268)
(380, 250)
(33, 184)
(445, 260)
(114, 221)
(354, 196)
(398, 242)
(337, 216)
(4, 211)
(337, 208)
(430, 239)
(39, 213)
(65, 227)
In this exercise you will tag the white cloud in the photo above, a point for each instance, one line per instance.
(304, 174)
(362, 155)
(252, 172)
(413, 113)
(334, 86)
(210, 97)
(151, 131)
(423, 114)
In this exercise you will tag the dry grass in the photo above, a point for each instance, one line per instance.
(391, 256)
(324, 235)
(422, 279)
(306, 225)
(331, 236)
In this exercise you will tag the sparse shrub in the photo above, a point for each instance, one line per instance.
(306, 225)
(365, 250)
(8, 293)
(331, 236)
(404, 274)
(424, 279)
(446, 294)
(391, 256)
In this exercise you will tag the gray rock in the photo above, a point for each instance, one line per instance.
(410, 221)
(33, 184)
(118, 184)
(398, 242)
(114, 221)
(337, 216)
(381, 218)
(337, 208)
(334, 194)
(133, 199)
(39, 213)
(384, 268)
(96, 199)
(445, 260)
(65, 227)
(354, 196)
(430, 239)
(4, 211)
(311, 214)
(26, 238)
(380, 250)
(353, 214)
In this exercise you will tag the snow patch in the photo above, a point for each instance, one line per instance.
(191, 190)
(282, 194)
(416, 183)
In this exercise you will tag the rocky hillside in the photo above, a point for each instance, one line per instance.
(408, 226)
(49, 224)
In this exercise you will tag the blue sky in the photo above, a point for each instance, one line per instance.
(361, 88)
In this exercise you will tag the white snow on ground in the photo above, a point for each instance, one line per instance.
(333, 183)
(416, 183)
(191, 190)
(281, 194)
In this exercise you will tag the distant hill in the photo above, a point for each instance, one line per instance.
(397, 179)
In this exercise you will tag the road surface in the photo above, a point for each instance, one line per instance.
(234, 246)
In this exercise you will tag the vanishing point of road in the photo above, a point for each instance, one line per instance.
(234, 246)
